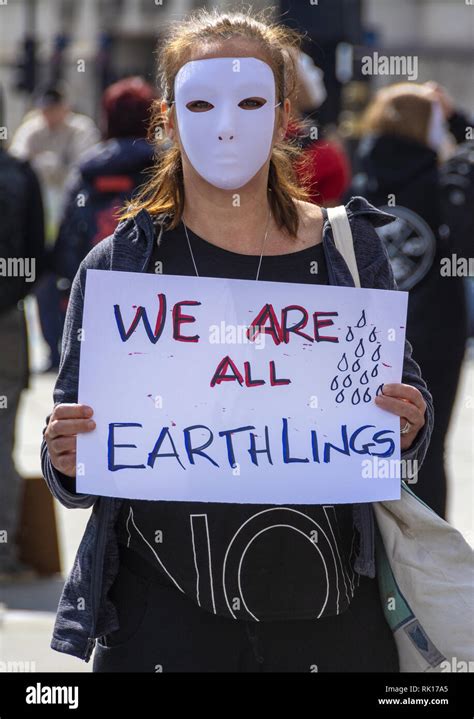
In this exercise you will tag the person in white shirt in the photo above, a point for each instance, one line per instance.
(53, 138)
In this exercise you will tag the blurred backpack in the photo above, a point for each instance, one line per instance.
(457, 200)
(410, 242)
(105, 181)
(90, 216)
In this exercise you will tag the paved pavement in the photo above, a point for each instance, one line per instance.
(27, 611)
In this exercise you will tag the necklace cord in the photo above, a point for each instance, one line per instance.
(261, 253)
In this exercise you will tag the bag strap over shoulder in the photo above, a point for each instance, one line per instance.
(342, 234)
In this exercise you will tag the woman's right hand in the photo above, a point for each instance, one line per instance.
(65, 423)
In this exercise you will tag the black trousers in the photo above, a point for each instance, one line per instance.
(442, 380)
(162, 630)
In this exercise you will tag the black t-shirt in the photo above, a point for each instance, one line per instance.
(245, 561)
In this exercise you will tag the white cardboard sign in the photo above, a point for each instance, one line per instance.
(217, 390)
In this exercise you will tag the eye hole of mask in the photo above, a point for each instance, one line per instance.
(249, 103)
(199, 106)
(252, 103)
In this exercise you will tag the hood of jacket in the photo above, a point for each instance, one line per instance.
(390, 162)
(120, 156)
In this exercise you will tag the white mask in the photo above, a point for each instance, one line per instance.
(226, 143)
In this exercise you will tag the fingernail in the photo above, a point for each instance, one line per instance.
(91, 423)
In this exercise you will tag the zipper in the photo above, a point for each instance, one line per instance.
(365, 560)
(97, 569)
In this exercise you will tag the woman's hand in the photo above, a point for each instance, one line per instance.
(407, 402)
(65, 423)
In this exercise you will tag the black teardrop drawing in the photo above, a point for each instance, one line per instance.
(373, 336)
(335, 383)
(340, 397)
(376, 354)
(375, 371)
(379, 390)
(362, 321)
(363, 378)
(359, 350)
(355, 397)
(343, 365)
(367, 396)
(347, 381)
(349, 335)
(356, 366)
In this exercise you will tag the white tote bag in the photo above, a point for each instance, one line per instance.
(425, 568)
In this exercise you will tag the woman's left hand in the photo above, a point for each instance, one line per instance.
(407, 402)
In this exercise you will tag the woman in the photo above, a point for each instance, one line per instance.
(397, 163)
(141, 603)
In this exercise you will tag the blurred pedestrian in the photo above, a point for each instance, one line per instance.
(21, 262)
(52, 138)
(397, 166)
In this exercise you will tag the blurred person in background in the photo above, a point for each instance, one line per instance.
(397, 166)
(324, 168)
(22, 259)
(107, 175)
(52, 138)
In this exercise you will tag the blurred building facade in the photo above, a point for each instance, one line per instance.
(90, 43)
(86, 44)
(439, 32)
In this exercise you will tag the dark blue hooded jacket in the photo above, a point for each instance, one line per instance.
(107, 177)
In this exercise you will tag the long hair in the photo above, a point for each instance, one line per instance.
(163, 192)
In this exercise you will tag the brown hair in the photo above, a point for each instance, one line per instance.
(164, 191)
(401, 109)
